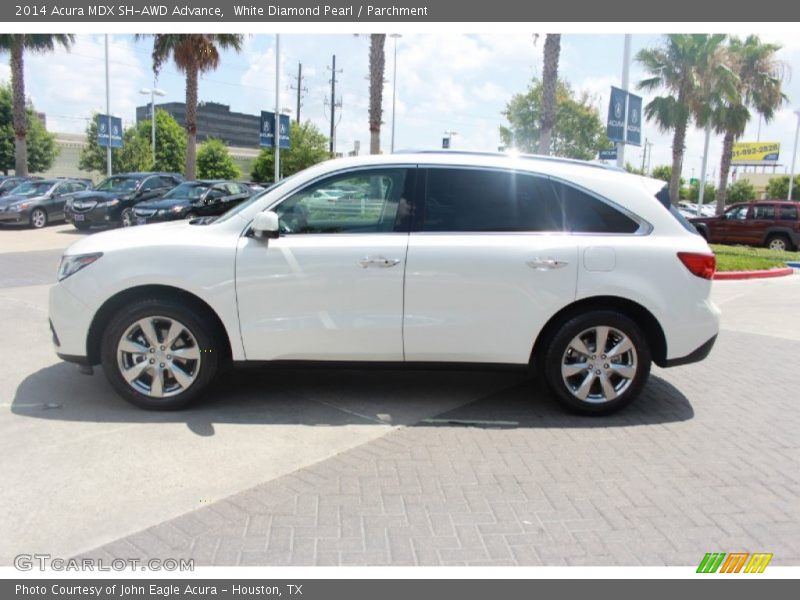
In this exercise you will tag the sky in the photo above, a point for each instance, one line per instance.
(445, 82)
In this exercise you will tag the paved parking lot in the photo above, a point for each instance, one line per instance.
(391, 467)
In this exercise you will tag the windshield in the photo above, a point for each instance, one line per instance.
(239, 207)
(118, 184)
(9, 184)
(187, 190)
(32, 188)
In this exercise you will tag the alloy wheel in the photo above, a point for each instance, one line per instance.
(38, 218)
(159, 357)
(599, 364)
(127, 218)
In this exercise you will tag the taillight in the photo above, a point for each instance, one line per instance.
(700, 265)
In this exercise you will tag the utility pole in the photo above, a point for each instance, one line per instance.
(300, 89)
(108, 115)
(333, 104)
(626, 63)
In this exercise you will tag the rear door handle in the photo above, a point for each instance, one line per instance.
(546, 264)
(379, 262)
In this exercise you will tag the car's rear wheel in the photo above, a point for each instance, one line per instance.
(38, 218)
(159, 354)
(126, 217)
(779, 243)
(597, 363)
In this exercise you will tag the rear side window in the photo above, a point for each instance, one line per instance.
(788, 213)
(486, 200)
(586, 214)
(763, 211)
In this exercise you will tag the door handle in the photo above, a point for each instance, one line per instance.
(546, 264)
(378, 261)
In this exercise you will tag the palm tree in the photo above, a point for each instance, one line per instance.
(759, 80)
(677, 68)
(552, 49)
(193, 54)
(16, 44)
(377, 64)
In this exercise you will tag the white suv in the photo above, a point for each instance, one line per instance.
(570, 268)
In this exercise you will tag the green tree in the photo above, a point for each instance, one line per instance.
(759, 81)
(16, 45)
(578, 131)
(633, 169)
(677, 68)
(170, 142)
(215, 162)
(309, 147)
(778, 188)
(693, 193)
(41, 149)
(193, 55)
(136, 153)
(741, 191)
(663, 172)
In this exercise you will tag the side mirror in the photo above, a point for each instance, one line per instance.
(265, 225)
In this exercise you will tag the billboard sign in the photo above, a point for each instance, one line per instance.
(755, 152)
(267, 134)
(633, 132)
(109, 131)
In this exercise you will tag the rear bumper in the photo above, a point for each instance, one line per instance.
(695, 356)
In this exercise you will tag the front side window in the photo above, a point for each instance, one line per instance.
(737, 214)
(365, 201)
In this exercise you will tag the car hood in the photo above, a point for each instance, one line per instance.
(9, 200)
(165, 203)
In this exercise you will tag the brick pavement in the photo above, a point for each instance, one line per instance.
(707, 460)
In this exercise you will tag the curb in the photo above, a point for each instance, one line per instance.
(764, 274)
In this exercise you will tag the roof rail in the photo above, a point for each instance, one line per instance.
(541, 157)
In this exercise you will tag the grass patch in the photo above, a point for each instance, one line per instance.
(747, 258)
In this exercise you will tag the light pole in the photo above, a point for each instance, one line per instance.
(153, 92)
(394, 83)
(794, 154)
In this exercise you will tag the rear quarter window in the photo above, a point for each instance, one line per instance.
(584, 213)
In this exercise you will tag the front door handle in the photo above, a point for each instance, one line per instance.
(378, 261)
(546, 264)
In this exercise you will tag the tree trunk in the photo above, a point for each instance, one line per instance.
(20, 114)
(552, 48)
(191, 122)
(678, 141)
(724, 168)
(377, 63)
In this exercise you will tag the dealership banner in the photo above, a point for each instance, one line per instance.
(267, 136)
(633, 131)
(376, 11)
(615, 127)
(109, 131)
(755, 152)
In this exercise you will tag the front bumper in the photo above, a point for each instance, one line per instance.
(99, 215)
(15, 216)
(69, 322)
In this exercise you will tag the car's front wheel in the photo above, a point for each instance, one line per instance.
(597, 363)
(126, 217)
(38, 218)
(159, 354)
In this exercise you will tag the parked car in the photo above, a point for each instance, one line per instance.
(39, 202)
(192, 199)
(112, 201)
(709, 209)
(584, 274)
(771, 223)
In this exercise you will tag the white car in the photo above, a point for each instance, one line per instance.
(577, 271)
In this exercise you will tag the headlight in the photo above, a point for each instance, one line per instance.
(72, 264)
(176, 209)
(161, 212)
(113, 202)
(19, 206)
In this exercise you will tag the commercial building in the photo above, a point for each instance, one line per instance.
(213, 120)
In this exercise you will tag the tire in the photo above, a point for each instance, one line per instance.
(126, 217)
(82, 226)
(181, 380)
(625, 373)
(778, 242)
(38, 218)
(190, 215)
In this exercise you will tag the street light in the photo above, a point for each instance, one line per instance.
(153, 92)
(394, 36)
(794, 154)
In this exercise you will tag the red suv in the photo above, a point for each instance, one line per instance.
(771, 223)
